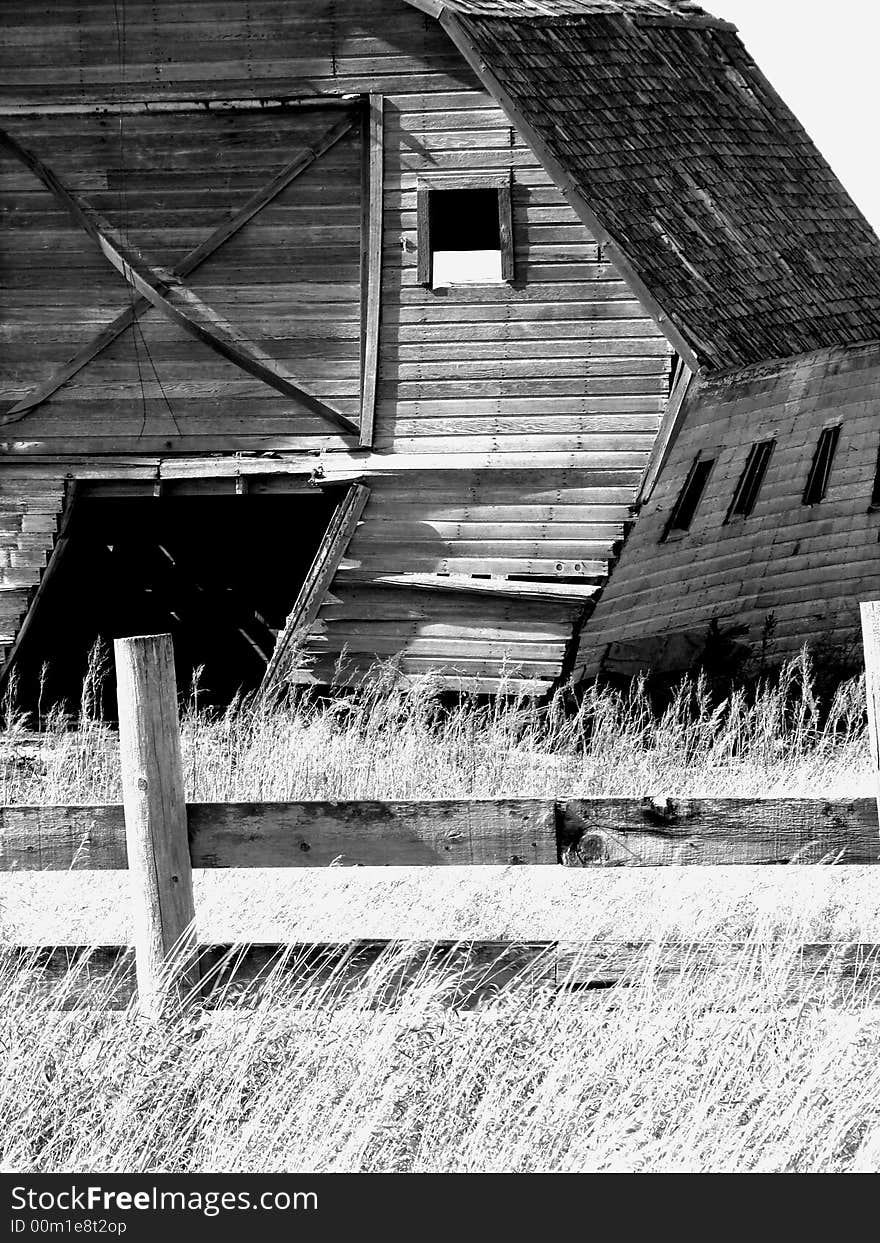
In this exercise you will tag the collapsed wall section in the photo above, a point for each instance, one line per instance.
(791, 570)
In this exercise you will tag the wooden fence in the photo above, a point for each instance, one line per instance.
(160, 839)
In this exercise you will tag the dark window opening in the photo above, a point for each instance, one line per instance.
(820, 471)
(691, 494)
(465, 233)
(464, 220)
(220, 573)
(875, 495)
(746, 494)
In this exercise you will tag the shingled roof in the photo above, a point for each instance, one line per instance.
(574, 8)
(721, 206)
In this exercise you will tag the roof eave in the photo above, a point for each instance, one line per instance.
(434, 8)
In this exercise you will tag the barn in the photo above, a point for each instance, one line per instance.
(345, 330)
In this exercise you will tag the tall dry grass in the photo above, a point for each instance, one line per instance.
(708, 1073)
(387, 740)
(693, 1077)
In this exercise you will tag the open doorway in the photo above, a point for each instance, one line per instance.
(219, 572)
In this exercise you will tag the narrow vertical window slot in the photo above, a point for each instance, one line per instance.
(820, 471)
(691, 494)
(749, 486)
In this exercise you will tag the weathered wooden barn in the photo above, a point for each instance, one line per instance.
(345, 329)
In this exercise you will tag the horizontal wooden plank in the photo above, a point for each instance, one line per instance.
(656, 832)
(312, 834)
(460, 974)
(575, 595)
(626, 832)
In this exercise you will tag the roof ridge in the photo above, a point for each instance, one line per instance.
(684, 13)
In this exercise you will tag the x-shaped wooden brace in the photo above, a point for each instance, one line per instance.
(166, 291)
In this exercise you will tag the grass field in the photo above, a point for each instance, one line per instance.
(708, 1073)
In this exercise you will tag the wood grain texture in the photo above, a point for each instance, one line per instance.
(648, 832)
(321, 573)
(226, 230)
(167, 293)
(571, 593)
(52, 547)
(448, 833)
(371, 261)
(155, 819)
(314, 834)
(658, 832)
(667, 433)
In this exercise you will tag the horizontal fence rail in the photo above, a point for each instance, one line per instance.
(464, 974)
(601, 832)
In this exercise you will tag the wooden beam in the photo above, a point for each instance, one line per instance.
(441, 833)
(423, 234)
(563, 593)
(661, 832)
(829, 972)
(165, 291)
(201, 321)
(570, 189)
(157, 847)
(321, 574)
(56, 557)
(670, 426)
(605, 832)
(870, 612)
(178, 103)
(303, 160)
(505, 229)
(298, 165)
(371, 261)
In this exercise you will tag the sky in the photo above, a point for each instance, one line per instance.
(822, 58)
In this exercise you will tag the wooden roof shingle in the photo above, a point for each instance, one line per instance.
(698, 172)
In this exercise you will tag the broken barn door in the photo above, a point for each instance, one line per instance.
(316, 584)
(225, 571)
(234, 257)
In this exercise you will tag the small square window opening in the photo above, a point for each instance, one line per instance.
(691, 494)
(465, 237)
(746, 494)
(465, 233)
(820, 471)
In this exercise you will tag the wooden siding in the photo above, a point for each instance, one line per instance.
(806, 566)
(512, 422)
(29, 514)
(289, 279)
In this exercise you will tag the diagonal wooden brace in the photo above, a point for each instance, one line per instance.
(165, 290)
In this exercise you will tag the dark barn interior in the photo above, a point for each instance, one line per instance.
(220, 573)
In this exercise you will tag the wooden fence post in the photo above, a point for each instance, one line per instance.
(871, 642)
(155, 821)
